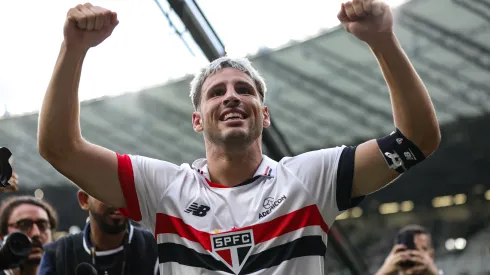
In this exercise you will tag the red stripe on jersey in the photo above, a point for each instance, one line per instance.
(167, 224)
(266, 171)
(307, 216)
(216, 185)
(126, 180)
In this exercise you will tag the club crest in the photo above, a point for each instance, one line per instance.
(233, 248)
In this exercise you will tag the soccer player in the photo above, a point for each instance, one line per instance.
(237, 211)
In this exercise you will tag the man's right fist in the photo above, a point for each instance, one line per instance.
(87, 26)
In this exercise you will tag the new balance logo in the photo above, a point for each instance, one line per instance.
(196, 209)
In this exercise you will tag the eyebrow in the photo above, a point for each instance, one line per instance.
(239, 82)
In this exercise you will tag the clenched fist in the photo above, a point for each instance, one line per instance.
(366, 19)
(87, 26)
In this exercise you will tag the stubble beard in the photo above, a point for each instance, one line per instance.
(232, 140)
(118, 226)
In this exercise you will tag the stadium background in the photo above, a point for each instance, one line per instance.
(326, 91)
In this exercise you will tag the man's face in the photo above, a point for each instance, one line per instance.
(231, 113)
(34, 222)
(423, 245)
(107, 217)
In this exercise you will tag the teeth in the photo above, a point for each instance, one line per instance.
(233, 115)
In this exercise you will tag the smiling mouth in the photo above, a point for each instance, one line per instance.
(232, 116)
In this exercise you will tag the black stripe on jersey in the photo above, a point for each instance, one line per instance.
(345, 176)
(305, 246)
(171, 252)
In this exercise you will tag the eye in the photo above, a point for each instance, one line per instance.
(243, 90)
(218, 92)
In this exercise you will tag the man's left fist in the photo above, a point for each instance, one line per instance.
(366, 19)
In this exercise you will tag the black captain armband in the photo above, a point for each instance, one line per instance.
(400, 153)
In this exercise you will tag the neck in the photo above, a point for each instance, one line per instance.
(103, 241)
(232, 167)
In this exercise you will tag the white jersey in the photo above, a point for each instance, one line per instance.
(275, 223)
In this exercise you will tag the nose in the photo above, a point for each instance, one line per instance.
(34, 232)
(231, 98)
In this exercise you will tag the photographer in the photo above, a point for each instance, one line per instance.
(109, 243)
(412, 254)
(33, 217)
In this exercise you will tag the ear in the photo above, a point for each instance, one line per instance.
(83, 199)
(267, 117)
(197, 122)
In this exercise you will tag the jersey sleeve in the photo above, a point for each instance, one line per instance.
(144, 182)
(327, 175)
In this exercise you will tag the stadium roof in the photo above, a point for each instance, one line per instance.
(326, 91)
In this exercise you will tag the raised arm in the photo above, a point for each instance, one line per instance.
(91, 167)
(372, 22)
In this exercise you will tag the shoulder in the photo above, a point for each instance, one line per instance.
(153, 167)
(144, 240)
(143, 234)
(327, 156)
(151, 170)
(63, 242)
(141, 231)
(152, 162)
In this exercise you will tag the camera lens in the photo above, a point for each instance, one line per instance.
(19, 244)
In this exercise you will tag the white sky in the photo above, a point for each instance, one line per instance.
(143, 51)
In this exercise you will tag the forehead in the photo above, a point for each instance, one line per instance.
(28, 211)
(225, 76)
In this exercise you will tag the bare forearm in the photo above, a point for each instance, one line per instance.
(413, 111)
(59, 127)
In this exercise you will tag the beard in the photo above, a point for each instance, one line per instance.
(232, 139)
(34, 257)
(33, 261)
(117, 226)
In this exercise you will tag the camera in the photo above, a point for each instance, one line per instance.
(14, 250)
(5, 168)
(406, 239)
